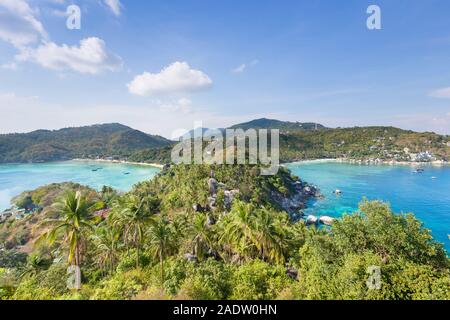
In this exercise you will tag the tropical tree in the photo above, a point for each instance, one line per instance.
(271, 235)
(131, 216)
(35, 264)
(200, 236)
(238, 233)
(162, 240)
(256, 233)
(107, 243)
(73, 225)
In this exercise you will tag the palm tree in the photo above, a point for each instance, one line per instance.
(73, 225)
(239, 230)
(35, 265)
(271, 235)
(251, 233)
(132, 217)
(162, 240)
(107, 242)
(200, 235)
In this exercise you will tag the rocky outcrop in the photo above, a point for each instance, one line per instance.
(190, 257)
(292, 273)
(326, 220)
(290, 195)
(212, 185)
(295, 202)
(311, 220)
(229, 196)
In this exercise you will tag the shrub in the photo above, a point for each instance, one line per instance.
(258, 280)
(121, 286)
(207, 281)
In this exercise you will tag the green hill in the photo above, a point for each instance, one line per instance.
(308, 141)
(364, 143)
(298, 141)
(111, 140)
(283, 126)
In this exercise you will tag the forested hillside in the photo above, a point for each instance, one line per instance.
(385, 143)
(298, 141)
(283, 126)
(305, 142)
(107, 140)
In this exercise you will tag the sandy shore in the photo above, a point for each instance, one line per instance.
(156, 165)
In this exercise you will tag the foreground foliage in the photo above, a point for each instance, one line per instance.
(154, 245)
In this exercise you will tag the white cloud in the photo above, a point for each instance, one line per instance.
(59, 13)
(91, 57)
(20, 27)
(9, 66)
(177, 77)
(239, 69)
(441, 93)
(18, 23)
(115, 6)
(245, 66)
(183, 105)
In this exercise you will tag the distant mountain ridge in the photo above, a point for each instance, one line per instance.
(263, 123)
(110, 140)
(298, 141)
(283, 126)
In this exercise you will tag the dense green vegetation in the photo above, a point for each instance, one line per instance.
(307, 141)
(108, 140)
(154, 155)
(298, 141)
(385, 143)
(162, 241)
(284, 126)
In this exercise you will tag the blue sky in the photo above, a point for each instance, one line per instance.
(159, 66)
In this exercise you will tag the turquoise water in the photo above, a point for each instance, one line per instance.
(427, 195)
(16, 178)
(427, 198)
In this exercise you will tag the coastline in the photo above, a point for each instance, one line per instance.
(155, 165)
(437, 163)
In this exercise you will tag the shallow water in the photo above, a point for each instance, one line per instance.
(16, 178)
(427, 195)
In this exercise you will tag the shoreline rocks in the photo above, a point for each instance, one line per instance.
(297, 200)
(310, 220)
(326, 220)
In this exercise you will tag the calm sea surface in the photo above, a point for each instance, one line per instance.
(427, 195)
(16, 178)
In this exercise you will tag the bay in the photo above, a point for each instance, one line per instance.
(16, 178)
(426, 194)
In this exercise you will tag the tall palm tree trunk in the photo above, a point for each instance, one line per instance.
(137, 255)
(161, 261)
